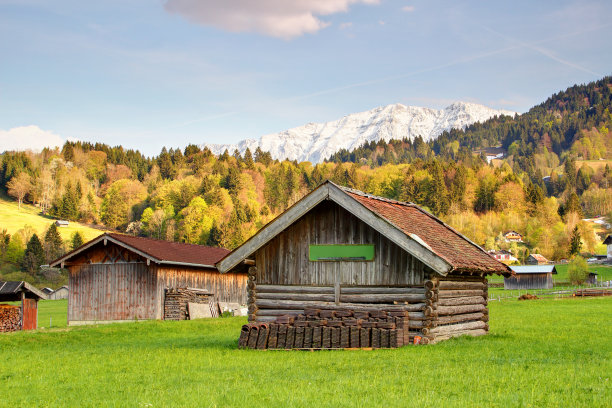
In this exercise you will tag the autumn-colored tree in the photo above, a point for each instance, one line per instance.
(19, 186)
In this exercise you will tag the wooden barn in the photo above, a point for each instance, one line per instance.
(118, 277)
(25, 316)
(340, 253)
(536, 259)
(59, 293)
(530, 277)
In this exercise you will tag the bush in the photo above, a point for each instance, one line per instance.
(577, 270)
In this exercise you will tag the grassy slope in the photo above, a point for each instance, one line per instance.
(12, 218)
(539, 353)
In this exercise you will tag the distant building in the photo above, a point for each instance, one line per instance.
(592, 278)
(608, 242)
(530, 277)
(491, 153)
(503, 256)
(46, 291)
(61, 293)
(513, 236)
(536, 259)
(61, 223)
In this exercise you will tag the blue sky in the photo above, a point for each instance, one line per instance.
(147, 74)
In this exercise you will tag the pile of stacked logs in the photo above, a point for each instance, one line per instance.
(458, 307)
(177, 299)
(593, 292)
(329, 329)
(10, 318)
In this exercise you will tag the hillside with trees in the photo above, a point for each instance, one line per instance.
(190, 195)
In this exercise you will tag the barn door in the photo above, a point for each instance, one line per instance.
(30, 314)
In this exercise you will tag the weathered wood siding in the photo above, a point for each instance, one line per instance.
(30, 314)
(284, 260)
(529, 281)
(117, 291)
(227, 287)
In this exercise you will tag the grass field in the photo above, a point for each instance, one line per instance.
(13, 219)
(540, 353)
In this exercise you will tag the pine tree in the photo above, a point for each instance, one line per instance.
(34, 255)
(53, 244)
(215, 236)
(76, 240)
(575, 243)
(248, 159)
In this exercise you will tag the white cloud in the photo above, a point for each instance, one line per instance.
(28, 138)
(344, 26)
(277, 18)
(408, 9)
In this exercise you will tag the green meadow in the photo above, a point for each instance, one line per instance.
(547, 353)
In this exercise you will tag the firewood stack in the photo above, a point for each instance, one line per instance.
(175, 304)
(10, 318)
(329, 329)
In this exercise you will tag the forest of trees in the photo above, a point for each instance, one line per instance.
(191, 195)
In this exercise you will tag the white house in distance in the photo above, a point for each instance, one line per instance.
(513, 236)
(608, 242)
(502, 256)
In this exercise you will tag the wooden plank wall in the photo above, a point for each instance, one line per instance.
(227, 287)
(284, 260)
(30, 314)
(118, 291)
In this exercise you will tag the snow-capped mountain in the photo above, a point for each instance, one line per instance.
(316, 142)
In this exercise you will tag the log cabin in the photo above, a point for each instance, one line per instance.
(117, 277)
(342, 249)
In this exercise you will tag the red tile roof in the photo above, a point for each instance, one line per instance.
(173, 251)
(443, 240)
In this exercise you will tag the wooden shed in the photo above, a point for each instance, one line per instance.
(536, 259)
(343, 250)
(530, 277)
(25, 316)
(59, 293)
(118, 277)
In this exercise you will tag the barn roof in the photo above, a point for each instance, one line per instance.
(161, 252)
(8, 288)
(413, 229)
(608, 240)
(539, 258)
(527, 269)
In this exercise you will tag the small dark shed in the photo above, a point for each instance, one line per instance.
(530, 277)
(24, 317)
(118, 277)
(343, 254)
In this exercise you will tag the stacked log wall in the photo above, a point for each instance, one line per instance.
(459, 308)
(267, 302)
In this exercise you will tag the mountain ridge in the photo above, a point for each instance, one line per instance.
(316, 142)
